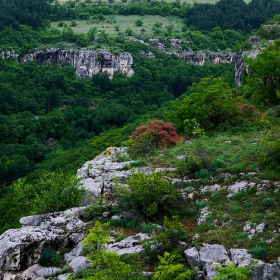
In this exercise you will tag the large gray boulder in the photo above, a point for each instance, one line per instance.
(240, 257)
(98, 175)
(79, 263)
(129, 245)
(267, 271)
(37, 272)
(192, 256)
(210, 255)
(21, 248)
(213, 253)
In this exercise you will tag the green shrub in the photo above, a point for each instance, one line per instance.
(112, 265)
(149, 228)
(150, 194)
(197, 159)
(49, 256)
(202, 174)
(269, 155)
(192, 211)
(169, 269)
(139, 22)
(242, 235)
(235, 209)
(267, 202)
(174, 232)
(258, 252)
(219, 162)
(216, 197)
(212, 104)
(97, 208)
(56, 192)
(121, 236)
(231, 272)
(201, 204)
(129, 223)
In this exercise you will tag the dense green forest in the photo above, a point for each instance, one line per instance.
(52, 121)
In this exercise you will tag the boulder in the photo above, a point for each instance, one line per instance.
(238, 186)
(79, 263)
(192, 256)
(213, 253)
(211, 272)
(62, 277)
(204, 213)
(75, 252)
(267, 271)
(240, 257)
(129, 245)
(37, 272)
(21, 248)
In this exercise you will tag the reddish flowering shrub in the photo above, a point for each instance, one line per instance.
(154, 134)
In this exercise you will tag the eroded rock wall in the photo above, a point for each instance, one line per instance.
(241, 66)
(202, 58)
(86, 62)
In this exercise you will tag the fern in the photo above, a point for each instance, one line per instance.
(231, 272)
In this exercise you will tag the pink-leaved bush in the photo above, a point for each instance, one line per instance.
(156, 133)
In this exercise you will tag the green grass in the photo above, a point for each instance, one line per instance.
(124, 22)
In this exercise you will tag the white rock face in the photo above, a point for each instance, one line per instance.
(75, 252)
(238, 186)
(129, 245)
(79, 263)
(267, 271)
(247, 227)
(9, 54)
(260, 228)
(211, 272)
(98, 174)
(211, 188)
(192, 256)
(37, 272)
(21, 248)
(204, 213)
(213, 253)
(240, 257)
(86, 62)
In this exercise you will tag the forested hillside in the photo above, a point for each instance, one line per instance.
(52, 121)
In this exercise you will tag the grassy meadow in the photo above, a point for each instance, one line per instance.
(123, 23)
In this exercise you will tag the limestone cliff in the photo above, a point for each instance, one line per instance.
(202, 58)
(86, 62)
(9, 54)
(241, 65)
(91, 62)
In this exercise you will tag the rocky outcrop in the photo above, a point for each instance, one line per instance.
(210, 255)
(99, 176)
(202, 58)
(21, 248)
(9, 54)
(240, 67)
(91, 62)
(129, 245)
(86, 62)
